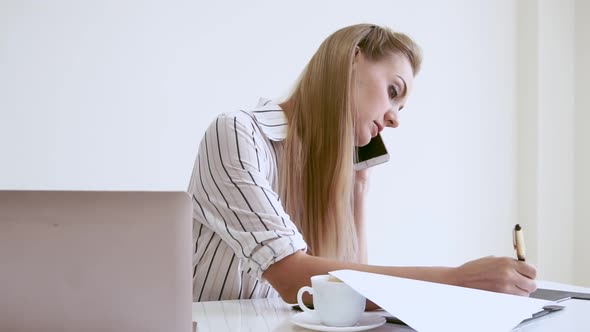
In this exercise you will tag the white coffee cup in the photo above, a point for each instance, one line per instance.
(335, 303)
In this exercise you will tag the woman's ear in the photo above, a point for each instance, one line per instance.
(357, 51)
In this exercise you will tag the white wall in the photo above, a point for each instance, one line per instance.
(116, 95)
(552, 144)
(582, 144)
(97, 94)
(527, 76)
(556, 139)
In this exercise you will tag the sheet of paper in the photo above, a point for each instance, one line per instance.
(432, 307)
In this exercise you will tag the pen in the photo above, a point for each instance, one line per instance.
(518, 240)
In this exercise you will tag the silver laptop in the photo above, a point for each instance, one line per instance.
(95, 261)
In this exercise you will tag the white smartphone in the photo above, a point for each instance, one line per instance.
(371, 154)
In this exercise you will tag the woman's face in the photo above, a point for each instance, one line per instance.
(380, 90)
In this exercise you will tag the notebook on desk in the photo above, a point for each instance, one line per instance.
(558, 295)
(95, 261)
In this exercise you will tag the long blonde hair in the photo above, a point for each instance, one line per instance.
(316, 176)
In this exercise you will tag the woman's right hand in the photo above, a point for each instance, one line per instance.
(498, 274)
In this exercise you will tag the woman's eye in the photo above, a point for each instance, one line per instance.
(392, 92)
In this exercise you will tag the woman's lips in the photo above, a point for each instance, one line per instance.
(379, 126)
(374, 130)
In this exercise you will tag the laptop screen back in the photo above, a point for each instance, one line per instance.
(95, 261)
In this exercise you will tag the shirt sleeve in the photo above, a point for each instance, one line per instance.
(232, 194)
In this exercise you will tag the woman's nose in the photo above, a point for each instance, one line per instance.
(390, 119)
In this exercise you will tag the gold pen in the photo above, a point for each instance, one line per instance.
(518, 241)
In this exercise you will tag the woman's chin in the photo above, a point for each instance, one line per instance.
(363, 140)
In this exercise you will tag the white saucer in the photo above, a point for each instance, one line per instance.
(368, 321)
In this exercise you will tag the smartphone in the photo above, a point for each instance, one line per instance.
(371, 154)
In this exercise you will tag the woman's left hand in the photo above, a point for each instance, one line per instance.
(361, 178)
(361, 184)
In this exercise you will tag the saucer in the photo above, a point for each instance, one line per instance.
(368, 321)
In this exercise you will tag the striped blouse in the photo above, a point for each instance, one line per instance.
(240, 227)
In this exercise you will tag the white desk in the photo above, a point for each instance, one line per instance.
(262, 315)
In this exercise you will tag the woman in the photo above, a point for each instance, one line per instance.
(275, 196)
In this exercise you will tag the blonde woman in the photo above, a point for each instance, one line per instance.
(275, 196)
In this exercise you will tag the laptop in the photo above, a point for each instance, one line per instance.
(95, 261)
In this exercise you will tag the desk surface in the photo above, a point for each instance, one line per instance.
(274, 315)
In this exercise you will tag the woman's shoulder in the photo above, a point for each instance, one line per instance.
(237, 120)
(267, 116)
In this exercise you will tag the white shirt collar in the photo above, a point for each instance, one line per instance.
(271, 119)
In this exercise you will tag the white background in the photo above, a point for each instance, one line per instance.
(116, 95)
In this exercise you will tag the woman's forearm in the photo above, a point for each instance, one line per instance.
(295, 271)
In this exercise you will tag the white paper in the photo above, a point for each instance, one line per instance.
(432, 307)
